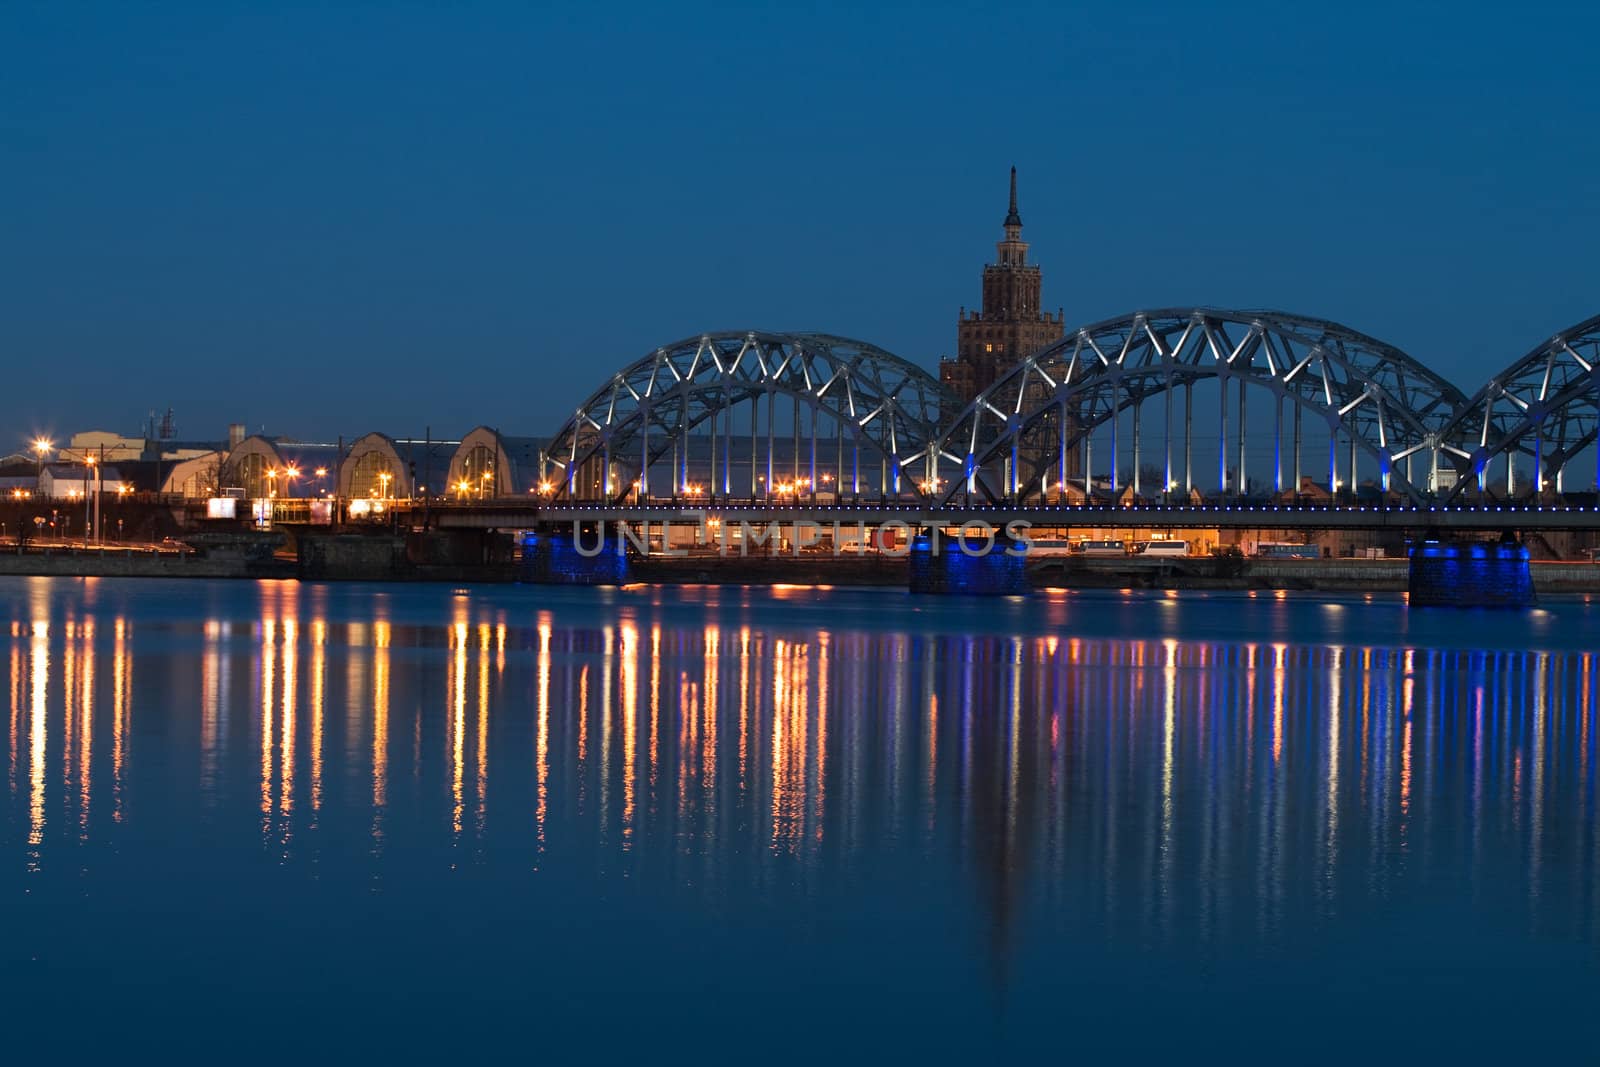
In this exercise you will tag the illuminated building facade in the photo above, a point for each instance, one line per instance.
(1010, 325)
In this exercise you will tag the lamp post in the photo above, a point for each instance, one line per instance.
(384, 478)
(88, 469)
(41, 448)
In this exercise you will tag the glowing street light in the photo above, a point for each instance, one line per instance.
(384, 478)
(41, 447)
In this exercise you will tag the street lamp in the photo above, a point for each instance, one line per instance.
(384, 478)
(322, 476)
(290, 473)
(88, 470)
(41, 447)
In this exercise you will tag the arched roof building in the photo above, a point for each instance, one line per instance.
(378, 465)
(488, 464)
(278, 466)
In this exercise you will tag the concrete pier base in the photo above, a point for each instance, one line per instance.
(1468, 574)
(939, 565)
(557, 560)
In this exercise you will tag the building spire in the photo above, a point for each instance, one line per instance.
(1012, 218)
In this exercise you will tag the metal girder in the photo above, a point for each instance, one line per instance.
(1385, 402)
(875, 401)
(1003, 445)
(1545, 406)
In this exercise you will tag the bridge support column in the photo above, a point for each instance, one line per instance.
(974, 565)
(1470, 574)
(573, 557)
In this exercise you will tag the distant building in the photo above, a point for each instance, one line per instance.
(114, 448)
(69, 481)
(280, 466)
(1010, 326)
(196, 477)
(378, 465)
(488, 464)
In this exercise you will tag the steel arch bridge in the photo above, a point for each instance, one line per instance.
(1016, 440)
(1545, 406)
(846, 401)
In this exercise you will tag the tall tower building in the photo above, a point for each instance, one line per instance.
(1010, 326)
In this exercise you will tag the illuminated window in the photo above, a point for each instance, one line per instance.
(988, 348)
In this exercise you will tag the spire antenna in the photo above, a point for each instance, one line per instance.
(1012, 218)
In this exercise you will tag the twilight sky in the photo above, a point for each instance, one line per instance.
(323, 218)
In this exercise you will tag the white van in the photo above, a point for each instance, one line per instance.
(1164, 548)
(1050, 546)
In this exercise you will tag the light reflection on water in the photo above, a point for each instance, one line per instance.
(1044, 782)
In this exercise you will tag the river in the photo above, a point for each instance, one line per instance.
(269, 819)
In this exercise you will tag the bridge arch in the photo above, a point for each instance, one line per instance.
(749, 414)
(1543, 408)
(1030, 434)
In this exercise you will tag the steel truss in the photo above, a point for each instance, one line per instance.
(1545, 406)
(847, 404)
(1014, 442)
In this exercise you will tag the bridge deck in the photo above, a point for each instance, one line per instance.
(521, 515)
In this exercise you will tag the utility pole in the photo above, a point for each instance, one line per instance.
(427, 473)
(88, 461)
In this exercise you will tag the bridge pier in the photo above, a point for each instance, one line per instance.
(587, 558)
(1470, 574)
(980, 566)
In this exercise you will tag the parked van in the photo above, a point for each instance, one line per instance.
(1050, 546)
(1163, 548)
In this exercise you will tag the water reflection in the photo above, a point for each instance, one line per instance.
(1156, 787)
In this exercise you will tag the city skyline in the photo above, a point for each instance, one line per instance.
(478, 238)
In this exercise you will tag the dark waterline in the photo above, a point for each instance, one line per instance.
(261, 818)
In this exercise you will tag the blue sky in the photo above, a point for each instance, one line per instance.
(329, 218)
